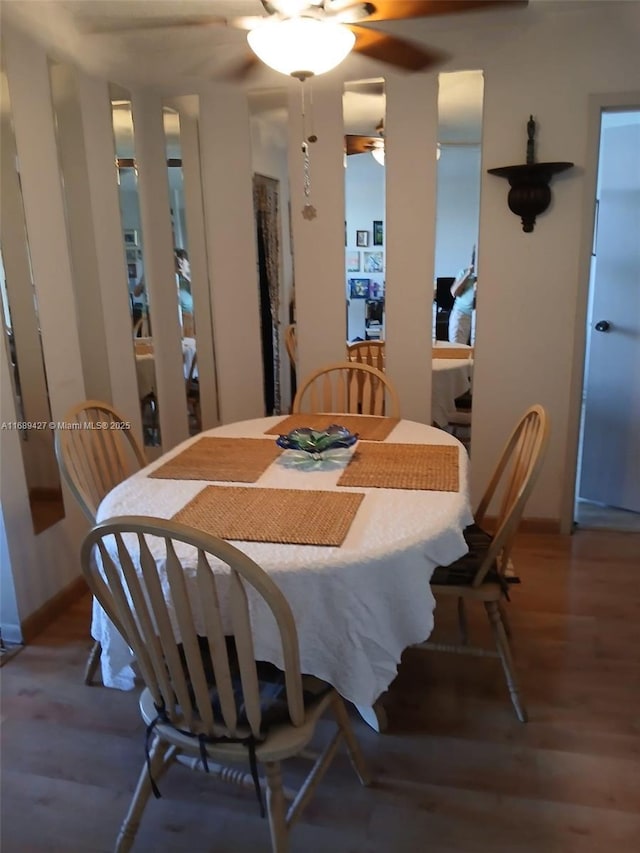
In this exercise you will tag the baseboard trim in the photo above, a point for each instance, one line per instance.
(51, 609)
(532, 525)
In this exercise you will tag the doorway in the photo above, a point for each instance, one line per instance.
(607, 485)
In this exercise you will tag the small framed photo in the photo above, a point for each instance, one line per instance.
(378, 238)
(132, 255)
(131, 238)
(373, 262)
(376, 290)
(362, 238)
(353, 261)
(359, 288)
(132, 270)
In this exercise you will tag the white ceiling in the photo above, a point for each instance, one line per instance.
(180, 59)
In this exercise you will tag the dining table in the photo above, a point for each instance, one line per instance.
(452, 375)
(146, 365)
(351, 536)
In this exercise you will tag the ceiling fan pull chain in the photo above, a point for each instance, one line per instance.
(308, 211)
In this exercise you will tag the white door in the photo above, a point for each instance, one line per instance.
(610, 471)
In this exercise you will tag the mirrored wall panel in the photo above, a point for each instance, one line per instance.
(364, 239)
(132, 246)
(274, 236)
(184, 295)
(23, 340)
(460, 99)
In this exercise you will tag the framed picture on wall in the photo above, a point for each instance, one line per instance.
(132, 270)
(362, 238)
(131, 238)
(376, 290)
(353, 261)
(373, 262)
(359, 288)
(378, 238)
(132, 256)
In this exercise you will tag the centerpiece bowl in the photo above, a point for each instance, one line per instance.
(317, 442)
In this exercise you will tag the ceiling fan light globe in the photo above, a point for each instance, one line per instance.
(301, 47)
(378, 155)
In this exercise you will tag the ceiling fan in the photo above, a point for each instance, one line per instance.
(356, 144)
(303, 38)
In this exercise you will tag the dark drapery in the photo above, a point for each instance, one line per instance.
(267, 214)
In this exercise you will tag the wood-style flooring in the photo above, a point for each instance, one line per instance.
(456, 772)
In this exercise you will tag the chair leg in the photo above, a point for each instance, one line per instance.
(276, 808)
(353, 747)
(92, 663)
(502, 643)
(162, 754)
(504, 618)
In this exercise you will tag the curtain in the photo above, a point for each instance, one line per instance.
(266, 203)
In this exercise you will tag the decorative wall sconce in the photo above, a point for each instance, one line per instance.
(530, 194)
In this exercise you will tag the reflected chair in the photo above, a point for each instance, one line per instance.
(188, 325)
(206, 699)
(141, 328)
(367, 352)
(348, 388)
(192, 384)
(93, 461)
(291, 345)
(484, 574)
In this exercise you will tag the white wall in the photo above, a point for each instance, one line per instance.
(42, 565)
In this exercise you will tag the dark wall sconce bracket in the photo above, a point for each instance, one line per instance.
(529, 193)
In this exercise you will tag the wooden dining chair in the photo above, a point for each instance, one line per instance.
(92, 461)
(483, 574)
(348, 388)
(367, 352)
(206, 699)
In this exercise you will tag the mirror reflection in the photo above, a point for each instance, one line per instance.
(22, 338)
(132, 246)
(460, 98)
(363, 109)
(175, 178)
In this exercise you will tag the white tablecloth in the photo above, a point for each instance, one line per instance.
(450, 378)
(146, 365)
(356, 607)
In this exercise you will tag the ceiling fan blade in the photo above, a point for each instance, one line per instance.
(120, 25)
(395, 10)
(394, 51)
(355, 144)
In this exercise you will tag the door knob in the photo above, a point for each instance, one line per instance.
(603, 326)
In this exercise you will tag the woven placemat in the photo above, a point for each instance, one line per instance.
(451, 352)
(285, 516)
(234, 460)
(368, 427)
(403, 466)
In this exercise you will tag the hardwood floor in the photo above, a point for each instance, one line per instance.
(456, 773)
